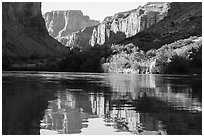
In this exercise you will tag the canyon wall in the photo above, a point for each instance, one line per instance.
(73, 29)
(61, 24)
(80, 39)
(126, 24)
(184, 19)
(148, 26)
(24, 33)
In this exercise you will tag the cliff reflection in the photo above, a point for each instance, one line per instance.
(63, 115)
(143, 104)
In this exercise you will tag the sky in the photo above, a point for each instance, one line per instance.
(95, 10)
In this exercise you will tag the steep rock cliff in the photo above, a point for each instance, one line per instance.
(80, 39)
(24, 33)
(184, 19)
(61, 24)
(126, 24)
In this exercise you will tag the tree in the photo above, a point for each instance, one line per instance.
(178, 65)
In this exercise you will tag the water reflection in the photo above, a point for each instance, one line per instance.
(81, 103)
(131, 106)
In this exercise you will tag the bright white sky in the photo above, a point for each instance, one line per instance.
(95, 10)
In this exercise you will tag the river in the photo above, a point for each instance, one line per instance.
(100, 103)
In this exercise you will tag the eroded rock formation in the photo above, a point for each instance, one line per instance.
(61, 24)
(80, 39)
(184, 19)
(126, 24)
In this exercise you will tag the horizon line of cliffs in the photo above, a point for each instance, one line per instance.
(73, 29)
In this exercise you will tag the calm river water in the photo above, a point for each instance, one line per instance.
(90, 103)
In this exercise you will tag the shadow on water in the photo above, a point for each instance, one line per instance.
(78, 103)
(176, 121)
(23, 103)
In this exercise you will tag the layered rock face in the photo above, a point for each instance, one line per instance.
(184, 19)
(80, 39)
(24, 33)
(61, 24)
(126, 24)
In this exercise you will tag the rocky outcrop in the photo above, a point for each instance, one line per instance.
(126, 24)
(61, 24)
(24, 33)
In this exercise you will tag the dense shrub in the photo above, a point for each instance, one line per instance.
(85, 61)
(178, 65)
(181, 57)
